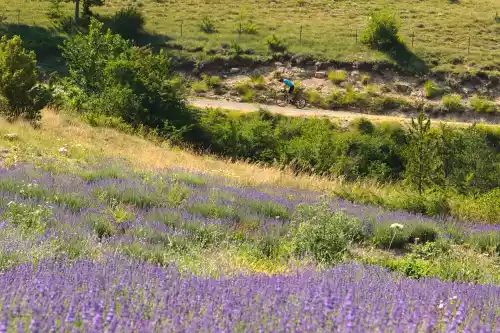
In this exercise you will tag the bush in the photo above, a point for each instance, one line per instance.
(248, 28)
(488, 242)
(424, 232)
(482, 104)
(363, 125)
(101, 225)
(314, 97)
(211, 81)
(324, 234)
(258, 82)
(20, 96)
(432, 89)
(387, 236)
(207, 26)
(199, 87)
(108, 74)
(452, 103)
(382, 31)
(336, 76)
(128, 22)
(275, 44)
(55, 11)
(365, 79)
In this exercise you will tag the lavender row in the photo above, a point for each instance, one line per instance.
(124, 296)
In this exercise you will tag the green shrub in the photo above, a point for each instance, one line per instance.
(275, 44)
(207, 25)
(249, 28)
(482, 104)
(55, 10)
(365, 79)
(20, 96)
(269, 209)
(128, 22)
(423, 233)
(390, 236)
(382, 31)
(324, 234)
(29, 218)
(101, 225)
(211, 81)
(236, 48)
(363, 125)
(432, 89)
(244, 89)
(336, 76)
(258, 81)
(108, 74)
(199, 87)
(314, 97)
(488, 242)
(452, 103)
(372, 89)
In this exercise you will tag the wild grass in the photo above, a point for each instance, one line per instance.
(441, 30)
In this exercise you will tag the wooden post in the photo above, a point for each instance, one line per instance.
(300, 38)
(182, 22)
(468, 49)
(412, 38)
(77, 11)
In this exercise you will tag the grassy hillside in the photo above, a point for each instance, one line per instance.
(441, 28)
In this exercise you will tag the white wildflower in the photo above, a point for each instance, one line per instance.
(397, 226)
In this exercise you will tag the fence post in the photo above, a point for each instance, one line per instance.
(468, 49)
(412, 38)
(300, 38)
(182, 22)
(356, 35)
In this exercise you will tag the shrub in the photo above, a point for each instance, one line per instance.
(236, 48)
(432, 89)
(207, 26)
(424, 232)
(452, 103)
(20, 96)
(275, 44)
(363, 125)
(55, 11)
(211, 81)
(199, 87)
(128, 22)
(29, 218)
(388, 236)
(336, 76)
(488, 242)
(372, 89)
(101, 225)
(314, 97)
(258, 82)
(248, 28)
(324, 234)
(108, 74)
(482, 104)
(365, 79)
(382, 31)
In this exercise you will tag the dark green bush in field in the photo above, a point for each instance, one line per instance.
(390, 236)
(325, 235)
(128, 22)
(432, 89)
(382, 31)
(20, 95)
(110, 76)
(482, 104)
(275, 44)
(207, 26)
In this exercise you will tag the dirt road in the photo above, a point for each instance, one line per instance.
(294, 112)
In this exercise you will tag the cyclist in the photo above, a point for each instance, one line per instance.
(289, 84)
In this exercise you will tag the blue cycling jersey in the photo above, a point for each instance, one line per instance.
(288, 83)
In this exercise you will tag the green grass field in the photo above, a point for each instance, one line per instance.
(441, 29)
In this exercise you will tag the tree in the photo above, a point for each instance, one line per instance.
(422, 164)
(19, 93)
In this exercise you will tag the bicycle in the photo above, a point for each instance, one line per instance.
(283, 98)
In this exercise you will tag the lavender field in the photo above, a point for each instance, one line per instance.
(104, 248)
